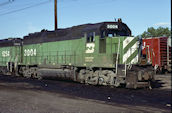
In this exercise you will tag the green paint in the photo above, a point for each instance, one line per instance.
(130, 45)
(132, 56)
(69, 52)
(9, 54)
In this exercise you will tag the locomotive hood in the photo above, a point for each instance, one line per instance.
(76, 32)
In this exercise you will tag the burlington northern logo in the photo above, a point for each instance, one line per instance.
(90, 48)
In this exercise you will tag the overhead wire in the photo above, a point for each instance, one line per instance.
(6, 3)
(16, 5)
(6, 6)
(24, 8)
(35, 5)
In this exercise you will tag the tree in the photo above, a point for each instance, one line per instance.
(152, 32)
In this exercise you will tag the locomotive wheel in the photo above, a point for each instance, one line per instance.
(98, 77)
(35, 74)
(38, 75)
(103, 77)
(27, 72)
(91, 78)
(4, 71)
(81, 76)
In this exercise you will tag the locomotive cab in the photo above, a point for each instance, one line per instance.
(113, 29)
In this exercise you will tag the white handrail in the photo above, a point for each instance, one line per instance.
(117, 56)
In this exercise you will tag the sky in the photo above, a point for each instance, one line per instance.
(18, 18)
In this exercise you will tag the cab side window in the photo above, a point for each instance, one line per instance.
(103, 34)
(90, 37)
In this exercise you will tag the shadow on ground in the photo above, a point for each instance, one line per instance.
(140, 97)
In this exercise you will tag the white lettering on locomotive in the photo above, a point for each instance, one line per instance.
(112, 26)
(30, 52)
(5, 53)
(89, 59)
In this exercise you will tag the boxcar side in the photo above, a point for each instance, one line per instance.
(156, 51)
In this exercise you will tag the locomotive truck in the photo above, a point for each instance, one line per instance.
(98, 54)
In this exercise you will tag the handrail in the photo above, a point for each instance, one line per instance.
(117, 57)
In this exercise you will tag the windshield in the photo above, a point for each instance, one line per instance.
(112, 33)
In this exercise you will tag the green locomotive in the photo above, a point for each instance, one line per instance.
(97, 54)
(10, 50)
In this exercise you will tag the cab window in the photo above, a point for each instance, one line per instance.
(90, 37)
(108, 33)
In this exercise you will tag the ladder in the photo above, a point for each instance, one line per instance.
(121, 69)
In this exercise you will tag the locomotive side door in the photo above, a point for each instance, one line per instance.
(16, 57)
(89, 48)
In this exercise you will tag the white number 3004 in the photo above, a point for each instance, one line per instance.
(30, 52)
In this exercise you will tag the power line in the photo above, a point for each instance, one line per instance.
(28, 7)
(35, 5)
(5, 3)
(18, 4)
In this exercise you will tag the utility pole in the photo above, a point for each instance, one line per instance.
(55, 13)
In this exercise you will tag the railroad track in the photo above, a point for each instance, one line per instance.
(155, 98)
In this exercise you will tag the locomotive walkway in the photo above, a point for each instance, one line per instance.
(21, 95)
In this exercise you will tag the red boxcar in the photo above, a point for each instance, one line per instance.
(156, 51)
